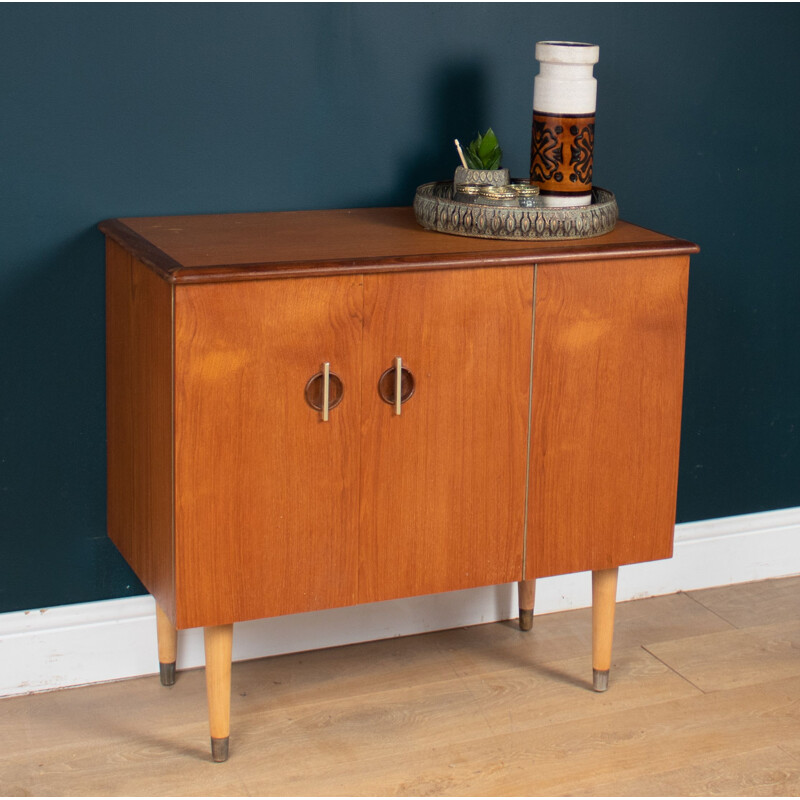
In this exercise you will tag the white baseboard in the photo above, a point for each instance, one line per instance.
(73, 645)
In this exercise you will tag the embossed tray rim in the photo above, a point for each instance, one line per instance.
(571, 222)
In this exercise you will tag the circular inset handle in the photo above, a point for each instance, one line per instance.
(389, 381)
(324, 391)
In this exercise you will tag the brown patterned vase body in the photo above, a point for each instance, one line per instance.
(562, 154)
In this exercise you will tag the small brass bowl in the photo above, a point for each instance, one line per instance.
(498, 195)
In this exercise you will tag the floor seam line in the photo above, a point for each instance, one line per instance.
(711, 610)
(789, 753)
(672, 669)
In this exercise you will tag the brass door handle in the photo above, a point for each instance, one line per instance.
(324, 391)
(396, 385)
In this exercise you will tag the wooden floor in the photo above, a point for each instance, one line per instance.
(704, 700)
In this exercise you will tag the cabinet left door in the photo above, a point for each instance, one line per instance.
(266, 492)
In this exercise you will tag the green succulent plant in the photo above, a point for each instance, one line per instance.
(484, 152)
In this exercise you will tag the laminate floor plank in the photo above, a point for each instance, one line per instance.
(734, 658)
(756, 603)
(658, 619)
(767, 772)
(792, 746)
(700, 702)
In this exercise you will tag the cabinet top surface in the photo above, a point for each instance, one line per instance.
(224, 247)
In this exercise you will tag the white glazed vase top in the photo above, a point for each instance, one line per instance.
(562, 135)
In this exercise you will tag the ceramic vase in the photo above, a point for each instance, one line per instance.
(562, 137)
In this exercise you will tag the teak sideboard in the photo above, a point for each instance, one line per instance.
(322, 408)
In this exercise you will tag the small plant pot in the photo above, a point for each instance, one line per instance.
(481, 177)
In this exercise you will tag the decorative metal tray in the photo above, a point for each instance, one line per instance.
(437, 209)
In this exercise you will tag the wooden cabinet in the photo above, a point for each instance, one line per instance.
(538, 433)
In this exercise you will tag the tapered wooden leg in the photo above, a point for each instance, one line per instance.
(167, 647)
(219, 647)
(604, 600)
(527, 595)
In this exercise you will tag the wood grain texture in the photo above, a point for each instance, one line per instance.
(755, 772)
(443, 484)
(481, 711)
(139, 421)
(231, 247)
(759, 602)
(607, 393)
(739, 656)
(267, 493)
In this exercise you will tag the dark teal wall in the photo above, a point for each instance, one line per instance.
(111, 110)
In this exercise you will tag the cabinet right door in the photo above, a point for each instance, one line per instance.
(606, 412)
(443, 483)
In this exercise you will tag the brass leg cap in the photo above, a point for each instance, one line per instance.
(525, 619)
(219, 748)
(600, 679)
(167, 673)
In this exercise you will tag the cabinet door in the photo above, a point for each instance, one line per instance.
(266, 491)
(607, 388)
(443, 483)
